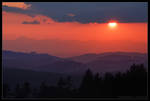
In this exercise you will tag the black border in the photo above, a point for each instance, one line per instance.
(121, 98)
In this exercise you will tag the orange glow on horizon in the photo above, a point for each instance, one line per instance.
(100, 32)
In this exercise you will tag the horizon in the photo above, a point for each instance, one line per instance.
(69, 48)
(75, 55)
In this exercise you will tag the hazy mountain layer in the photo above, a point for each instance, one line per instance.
(105, 62)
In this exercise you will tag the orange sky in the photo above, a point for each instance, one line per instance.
(50, 29)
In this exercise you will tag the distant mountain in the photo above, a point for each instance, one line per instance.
(41, 62)
(64, 66)
(84, 58)
(105, 62)
(111, 61)
(26, 60)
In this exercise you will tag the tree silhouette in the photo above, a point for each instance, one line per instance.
(86, 87)
(61, 83)
(97, 85)
(118, 87)
(43, 90)
(68, 82)
(133, 82)
(108, 84)
(136, 80)
(26, 89)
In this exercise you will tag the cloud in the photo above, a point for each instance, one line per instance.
(71, 15)
(31, 22)
(87, 12)
(19, 18)
(20, 5)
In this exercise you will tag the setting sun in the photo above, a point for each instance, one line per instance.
(112, 24)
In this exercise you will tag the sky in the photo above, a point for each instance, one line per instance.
(80, 21)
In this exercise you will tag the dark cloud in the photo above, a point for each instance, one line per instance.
(86, 12)
(18, 10)
(31, 22)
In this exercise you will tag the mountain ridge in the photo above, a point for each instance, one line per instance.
(103, 62)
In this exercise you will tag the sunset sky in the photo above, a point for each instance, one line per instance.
(83, 22)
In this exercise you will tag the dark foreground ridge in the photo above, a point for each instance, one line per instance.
(132, 83)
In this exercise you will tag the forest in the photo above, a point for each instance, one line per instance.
(132, 83)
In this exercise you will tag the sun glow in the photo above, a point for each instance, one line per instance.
(112, 24)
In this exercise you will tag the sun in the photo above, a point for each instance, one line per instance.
(112, 24)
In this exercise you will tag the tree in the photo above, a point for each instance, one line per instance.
(69, 82)
(86, 87)
(97, 85)
(108, 84)
(118, 88)
(43, 90)
(61, 83)
(26, 90)
(136, 80)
